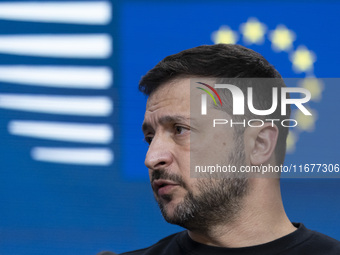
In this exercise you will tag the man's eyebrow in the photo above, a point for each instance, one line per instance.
(146, 126)
(173, 119)
(166, 120)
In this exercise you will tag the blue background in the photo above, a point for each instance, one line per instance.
(65, 209)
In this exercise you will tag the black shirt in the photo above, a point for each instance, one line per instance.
(300, 242)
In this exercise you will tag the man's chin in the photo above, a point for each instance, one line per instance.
(168, 209)
(170, 217)
(168, 206)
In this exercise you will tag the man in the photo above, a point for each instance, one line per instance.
(229, 214)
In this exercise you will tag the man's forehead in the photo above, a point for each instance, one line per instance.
(178, 89)
(179, 95)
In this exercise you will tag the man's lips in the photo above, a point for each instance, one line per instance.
(163, 187)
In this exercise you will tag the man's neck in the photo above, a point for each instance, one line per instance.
(262, 219)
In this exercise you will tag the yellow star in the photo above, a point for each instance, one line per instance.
(303, 59)
(253, 31)
(282, 38)
(224, 35)
(291, 141)
(315, 87)
(306, 122)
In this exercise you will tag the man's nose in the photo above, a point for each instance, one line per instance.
(159, 154)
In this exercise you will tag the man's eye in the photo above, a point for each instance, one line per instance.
(148, 139)
(180, 130)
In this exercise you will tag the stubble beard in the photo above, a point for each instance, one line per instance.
(219, 200)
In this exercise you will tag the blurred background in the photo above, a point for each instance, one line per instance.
(72, 174)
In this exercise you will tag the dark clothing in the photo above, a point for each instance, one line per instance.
(300, 242)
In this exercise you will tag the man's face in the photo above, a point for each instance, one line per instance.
(169, 127)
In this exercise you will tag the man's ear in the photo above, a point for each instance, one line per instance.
(261, 143)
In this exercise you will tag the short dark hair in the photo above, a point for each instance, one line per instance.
(222, 61)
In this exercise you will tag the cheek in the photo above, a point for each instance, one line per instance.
(191, 185)
(212, 149)
(181, 156)
(197, 186)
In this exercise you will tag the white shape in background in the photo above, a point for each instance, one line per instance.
(76, 156)
(90, 13)
(56, 76)
(60, 46)
(225, 35)
(70, 105)
(70, 132)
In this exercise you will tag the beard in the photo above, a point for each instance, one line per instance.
(218, 200)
